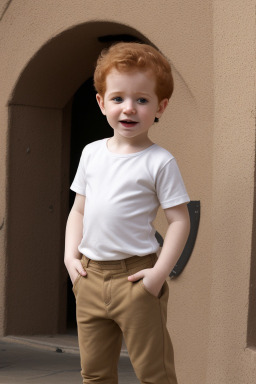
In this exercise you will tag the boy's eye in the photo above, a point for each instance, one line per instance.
(117, 99)
(141, 100)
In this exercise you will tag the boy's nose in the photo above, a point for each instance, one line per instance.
(129, 108)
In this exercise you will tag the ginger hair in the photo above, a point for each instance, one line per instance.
(126, 57)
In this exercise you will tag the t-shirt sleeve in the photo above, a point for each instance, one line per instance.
(79, 182)
(170, 187)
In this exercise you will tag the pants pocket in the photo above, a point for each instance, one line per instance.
(164, 288)
(74, 288)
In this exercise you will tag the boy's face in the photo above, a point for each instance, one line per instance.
(130, 103)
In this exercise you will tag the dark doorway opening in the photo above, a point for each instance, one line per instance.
(87, 125)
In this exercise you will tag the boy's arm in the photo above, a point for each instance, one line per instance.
(174, 242)
(74, 234)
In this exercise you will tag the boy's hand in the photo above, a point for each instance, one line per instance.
(75, 268)
(152, 282)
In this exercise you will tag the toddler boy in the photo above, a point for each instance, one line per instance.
(110, 251)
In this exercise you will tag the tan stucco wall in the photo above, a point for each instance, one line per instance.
(210, 128)
(233, 190)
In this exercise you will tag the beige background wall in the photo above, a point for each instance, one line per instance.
(47, 52)
(233, 190)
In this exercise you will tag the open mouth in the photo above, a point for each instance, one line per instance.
(128, 123)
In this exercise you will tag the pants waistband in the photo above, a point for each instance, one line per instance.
(119, 264)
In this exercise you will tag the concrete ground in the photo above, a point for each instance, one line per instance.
(52, 360)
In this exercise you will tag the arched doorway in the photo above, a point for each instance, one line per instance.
(38, 184)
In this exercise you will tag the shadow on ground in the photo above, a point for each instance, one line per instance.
(20, 364)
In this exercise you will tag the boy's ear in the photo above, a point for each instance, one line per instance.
(161, 107)
(100, 101)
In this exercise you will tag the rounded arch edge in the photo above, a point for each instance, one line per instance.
(58, 68)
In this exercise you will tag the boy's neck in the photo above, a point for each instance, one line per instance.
(126, 146)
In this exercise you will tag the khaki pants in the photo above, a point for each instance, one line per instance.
(109, 306)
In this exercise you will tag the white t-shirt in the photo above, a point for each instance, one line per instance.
(123, 193)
